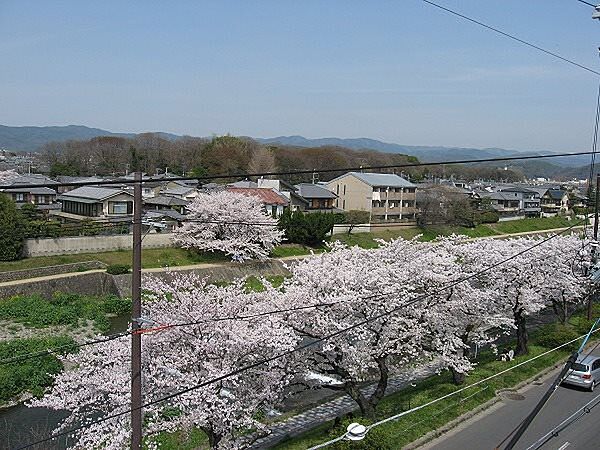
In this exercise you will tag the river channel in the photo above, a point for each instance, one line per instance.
(20, 425)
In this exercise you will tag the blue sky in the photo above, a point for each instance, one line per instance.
(399, 71)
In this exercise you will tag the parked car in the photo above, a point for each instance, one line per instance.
(584, 373)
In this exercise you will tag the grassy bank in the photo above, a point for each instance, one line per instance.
(31, 375)
(533, 224)
(62, 309)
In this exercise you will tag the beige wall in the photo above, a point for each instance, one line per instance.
(356, 196)
(359, 196)
(116, 198)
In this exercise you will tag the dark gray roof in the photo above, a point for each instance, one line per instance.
(92, 194)
(165, 201)
(556, 194)
(33, 190)
(177, 190)
(308, 190)
(379, 179)
(31, 179)
(168, 213)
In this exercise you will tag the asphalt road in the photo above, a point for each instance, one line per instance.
(487, 430)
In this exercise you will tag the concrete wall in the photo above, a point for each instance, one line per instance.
(91, 244)
(213, 273)
(96, 283)
(50, 270)
(101, 283)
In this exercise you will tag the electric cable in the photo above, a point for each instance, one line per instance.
(306, 345)
(477, 383)
(243, 175)
(514, 38)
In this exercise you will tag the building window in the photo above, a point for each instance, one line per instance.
(337, 189)
(20, 197)
(344, 204)
(344, 189)
(117, 207)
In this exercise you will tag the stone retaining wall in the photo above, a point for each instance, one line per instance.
(213, 273)
(96, 283)
(50, 270)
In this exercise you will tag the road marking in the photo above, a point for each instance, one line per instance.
(565, 445)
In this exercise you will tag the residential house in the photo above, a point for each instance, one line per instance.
(387, 197)
(163, 202)
(319, 198)
(554, 201)
(512, 201)
(274, 202)
(44, 198)
(96, 203)
(296, 201)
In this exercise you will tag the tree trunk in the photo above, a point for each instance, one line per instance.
(381, 384)
(366, 408)
(457, 377)
(213, 438)
(522, 336)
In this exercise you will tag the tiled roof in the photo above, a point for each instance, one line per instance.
(308, 190)
(165, 201)
(379, 179)
(268, 196)
(92, 193)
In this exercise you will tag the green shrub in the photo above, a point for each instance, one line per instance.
(62, 309)
(31, 375)
(555, 334)
(118, 269)
(306, 229)
(12, 230)
(488, 217)
(117, 305)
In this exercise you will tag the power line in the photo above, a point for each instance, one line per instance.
(514, 38)
(444, 397)
(587, 3)
(311, 343)
(301, 172)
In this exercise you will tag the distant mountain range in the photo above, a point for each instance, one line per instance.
(32, 138)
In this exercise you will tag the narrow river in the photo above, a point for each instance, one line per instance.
(20, 425)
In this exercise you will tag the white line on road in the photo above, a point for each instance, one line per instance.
(565, 445)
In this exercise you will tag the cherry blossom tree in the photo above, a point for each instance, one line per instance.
(180, 358)
(565, 290)
(523, 284)
(363, 284)
(233, 223)
(471, 314)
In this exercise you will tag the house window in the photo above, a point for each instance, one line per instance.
(117, 207)
(344, 189)
(19, 197)
(343, 204)
(337, 189)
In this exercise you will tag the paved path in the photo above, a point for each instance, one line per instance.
(314, 417)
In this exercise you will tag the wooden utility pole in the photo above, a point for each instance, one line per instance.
(136, 312)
